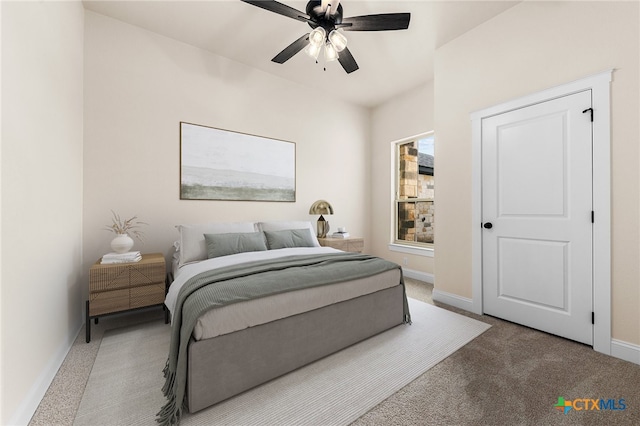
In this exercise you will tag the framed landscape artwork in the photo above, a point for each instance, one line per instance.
(219, 164)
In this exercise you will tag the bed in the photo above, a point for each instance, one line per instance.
(250, 302)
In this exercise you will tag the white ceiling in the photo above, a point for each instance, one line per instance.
(391, 62)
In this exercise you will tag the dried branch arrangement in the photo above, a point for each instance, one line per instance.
(127, 226)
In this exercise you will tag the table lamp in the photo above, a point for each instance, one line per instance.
(321, 207)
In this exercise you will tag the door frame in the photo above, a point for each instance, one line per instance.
(599, 84)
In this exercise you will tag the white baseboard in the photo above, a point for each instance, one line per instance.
(452, 300)
(417, 275)
(29, 405)
(626, 351)
(619, 349)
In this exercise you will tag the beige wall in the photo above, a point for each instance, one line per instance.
(57, 192)
(530, 47)
(139, 86)
(406, 115)
(42, 76)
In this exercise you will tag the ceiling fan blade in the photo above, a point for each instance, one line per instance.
(346, 60)
(382, 22)
(292, 49)
(279, 8)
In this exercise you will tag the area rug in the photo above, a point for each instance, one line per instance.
(124, 385)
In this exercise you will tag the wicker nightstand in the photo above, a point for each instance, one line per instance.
(353, 244)
(120, 287)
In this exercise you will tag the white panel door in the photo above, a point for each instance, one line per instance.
(536, 212)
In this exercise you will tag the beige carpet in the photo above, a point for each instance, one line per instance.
(124, 385)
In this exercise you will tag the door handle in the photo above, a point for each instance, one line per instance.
(488, 225)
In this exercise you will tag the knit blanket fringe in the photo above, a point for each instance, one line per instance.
(228, 285)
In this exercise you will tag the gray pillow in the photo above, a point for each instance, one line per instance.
(289, 238)
(232, 243)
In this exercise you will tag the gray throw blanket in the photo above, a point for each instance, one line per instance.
(248, 281)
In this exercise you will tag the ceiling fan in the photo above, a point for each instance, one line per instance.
(325, 19)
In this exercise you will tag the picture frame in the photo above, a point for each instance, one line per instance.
(217, 164)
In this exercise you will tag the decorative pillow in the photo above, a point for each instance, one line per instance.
(192, 244)
(289, 238)
(288, 225)
(226, 244)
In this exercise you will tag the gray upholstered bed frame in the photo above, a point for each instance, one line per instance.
(227, 365)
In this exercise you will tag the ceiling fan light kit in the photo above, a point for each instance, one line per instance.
(325, 19)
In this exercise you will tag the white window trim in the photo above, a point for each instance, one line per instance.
(410, 249)
(395, 245)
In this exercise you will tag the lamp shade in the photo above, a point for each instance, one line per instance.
(330, 52)
(338, 40)
(313, 50)
(317, 36)
(321, 207)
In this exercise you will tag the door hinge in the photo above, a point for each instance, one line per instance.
(593, 217)
(590, 110)
(593, 317)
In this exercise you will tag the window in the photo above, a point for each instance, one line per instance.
(414, 191)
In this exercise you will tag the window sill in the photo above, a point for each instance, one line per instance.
(418, 251)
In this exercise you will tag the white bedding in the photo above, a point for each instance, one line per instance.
(239, 316)
(189, 270)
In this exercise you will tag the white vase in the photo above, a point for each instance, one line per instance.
(122, 243)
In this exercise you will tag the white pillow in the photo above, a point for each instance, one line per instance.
(280, 225)
(192, 244)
